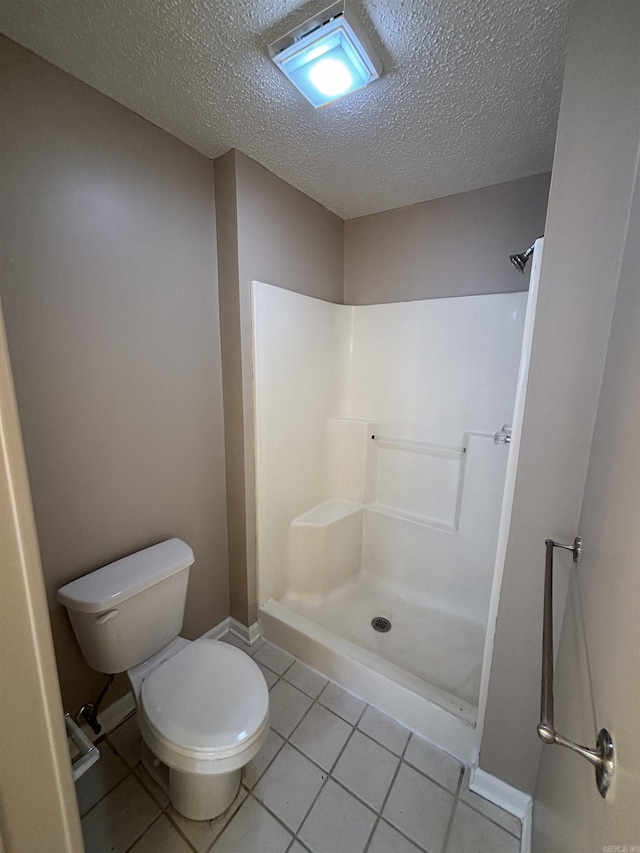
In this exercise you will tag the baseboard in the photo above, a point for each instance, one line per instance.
(218, 631)
(506, 797)
(249, 635)
(230, 625)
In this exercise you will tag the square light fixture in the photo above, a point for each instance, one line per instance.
(327, 56)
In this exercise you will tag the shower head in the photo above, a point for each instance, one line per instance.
(520, 261)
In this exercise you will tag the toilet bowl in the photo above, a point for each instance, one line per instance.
(203, 705)
(203, 714)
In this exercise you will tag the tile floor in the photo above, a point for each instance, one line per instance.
(335, 776)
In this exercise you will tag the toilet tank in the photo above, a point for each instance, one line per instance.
(127, 611)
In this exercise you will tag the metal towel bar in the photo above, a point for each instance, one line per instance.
(602, 757)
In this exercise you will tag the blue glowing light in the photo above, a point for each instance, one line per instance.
(328, 63)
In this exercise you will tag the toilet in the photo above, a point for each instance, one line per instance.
(202, 705)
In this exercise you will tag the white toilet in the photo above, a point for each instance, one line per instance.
(203, 706)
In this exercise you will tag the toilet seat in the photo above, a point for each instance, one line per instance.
(205, 709)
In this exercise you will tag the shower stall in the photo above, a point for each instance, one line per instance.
(380, 483)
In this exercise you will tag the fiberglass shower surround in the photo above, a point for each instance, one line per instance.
(379, 485)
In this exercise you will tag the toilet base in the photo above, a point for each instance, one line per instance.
(195, 795)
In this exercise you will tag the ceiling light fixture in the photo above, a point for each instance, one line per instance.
(327, 56)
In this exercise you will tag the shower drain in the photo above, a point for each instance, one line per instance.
(381, 623)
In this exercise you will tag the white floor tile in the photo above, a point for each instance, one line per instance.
(342, 703)
(257, 644)
(161, 837)
(321, 736)
(119, 819)
(288, 707)
(296, 847)
(269, 676)
(473, 833)
(126, 741)
(255, 768)
(253, 829)
(236, 641)
(100, 779)
(419, 808)
(274, 658)
(507, 821)
(202, 833)
(367, 769)
(386, 839)
(337, 823)
(152, 787)
(385, 730)
(433, 762)
(289, 786)
(306, 679)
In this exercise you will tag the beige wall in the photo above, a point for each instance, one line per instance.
(601, 624)
(110, 297)
(267, 231)
(589, 203)
(455, 246)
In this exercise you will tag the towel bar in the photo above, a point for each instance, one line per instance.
(602, 757)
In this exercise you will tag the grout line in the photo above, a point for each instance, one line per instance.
(150, 793)
(110, 791)
(147, 828)
(327, 774)
(291, 832)
(493, 805)
(140, 837)
(454, 809)
(491, 820)
(173, 823)
(384, 802)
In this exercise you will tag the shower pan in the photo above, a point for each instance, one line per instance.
(379, 493)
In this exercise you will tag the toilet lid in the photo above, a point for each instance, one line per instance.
(209, 696)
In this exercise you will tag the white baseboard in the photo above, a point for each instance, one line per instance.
(506, 797)
(249, 635)
(230, 625)
(218, 631)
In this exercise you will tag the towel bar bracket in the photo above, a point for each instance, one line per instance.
(602, 757)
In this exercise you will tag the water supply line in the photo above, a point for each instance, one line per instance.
(89, 712)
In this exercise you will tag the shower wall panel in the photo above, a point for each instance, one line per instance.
(435, 369)
(300, 348)
(380, 419)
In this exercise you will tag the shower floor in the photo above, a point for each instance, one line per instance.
(441, 648)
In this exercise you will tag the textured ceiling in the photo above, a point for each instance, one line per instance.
(469, 96)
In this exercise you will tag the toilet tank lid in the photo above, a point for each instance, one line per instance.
(106, 587)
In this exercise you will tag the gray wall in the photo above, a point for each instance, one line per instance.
(267, 231)
(602, 616)
(110, 298)
(454, 246)
(589, 203)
